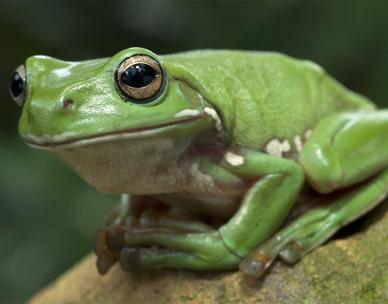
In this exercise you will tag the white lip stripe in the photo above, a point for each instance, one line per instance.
(49, 138)
(188, 112)
(53, 145)
(95, 140)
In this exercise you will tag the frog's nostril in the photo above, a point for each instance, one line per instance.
(67, 103)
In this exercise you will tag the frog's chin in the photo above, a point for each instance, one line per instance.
(134, 161)
(69, 140)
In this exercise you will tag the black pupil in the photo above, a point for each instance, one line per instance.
(17, 84)
(138, 75)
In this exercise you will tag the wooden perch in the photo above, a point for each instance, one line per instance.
(350, 270)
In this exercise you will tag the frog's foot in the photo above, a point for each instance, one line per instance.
(110, 240)
(316, 226)
(196, 251)
(291, 243)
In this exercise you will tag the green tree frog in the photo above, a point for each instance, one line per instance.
(210, 150)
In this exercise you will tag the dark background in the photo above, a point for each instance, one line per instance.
(48, 215)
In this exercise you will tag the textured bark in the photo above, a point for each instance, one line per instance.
(353, 269)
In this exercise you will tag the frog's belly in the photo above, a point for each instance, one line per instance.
(143, 166)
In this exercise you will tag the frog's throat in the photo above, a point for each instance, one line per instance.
(52, 143)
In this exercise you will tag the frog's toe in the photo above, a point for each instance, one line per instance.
(166, 239)
(105, 256)
(292, 252)
(135, 258)
(254, 266)
(303, 243)
(196, 251)
(291, 243)
(130, 258)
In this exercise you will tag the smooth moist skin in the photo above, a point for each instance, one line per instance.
(210, 151)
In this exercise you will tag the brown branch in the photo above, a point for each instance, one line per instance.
(351, 270)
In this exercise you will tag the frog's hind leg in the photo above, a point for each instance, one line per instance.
(345, 150)
(317, 226)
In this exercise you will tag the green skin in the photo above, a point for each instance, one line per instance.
(215, 164)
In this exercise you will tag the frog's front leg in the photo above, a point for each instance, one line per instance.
(275, 184)
(138, 213)
(344, 150)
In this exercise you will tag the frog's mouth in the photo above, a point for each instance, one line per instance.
(68, 140)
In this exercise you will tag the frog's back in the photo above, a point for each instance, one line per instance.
(263, 96)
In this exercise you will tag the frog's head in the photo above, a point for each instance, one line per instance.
(80, 110)
(73, 102)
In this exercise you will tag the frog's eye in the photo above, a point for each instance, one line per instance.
(140, 79)
(17, 86)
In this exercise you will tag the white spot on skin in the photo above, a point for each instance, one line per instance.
(187, 112)
(214, 114)
(52, 138)
(307, 134)
(277, 148)
(298, 143)
(234, 159)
